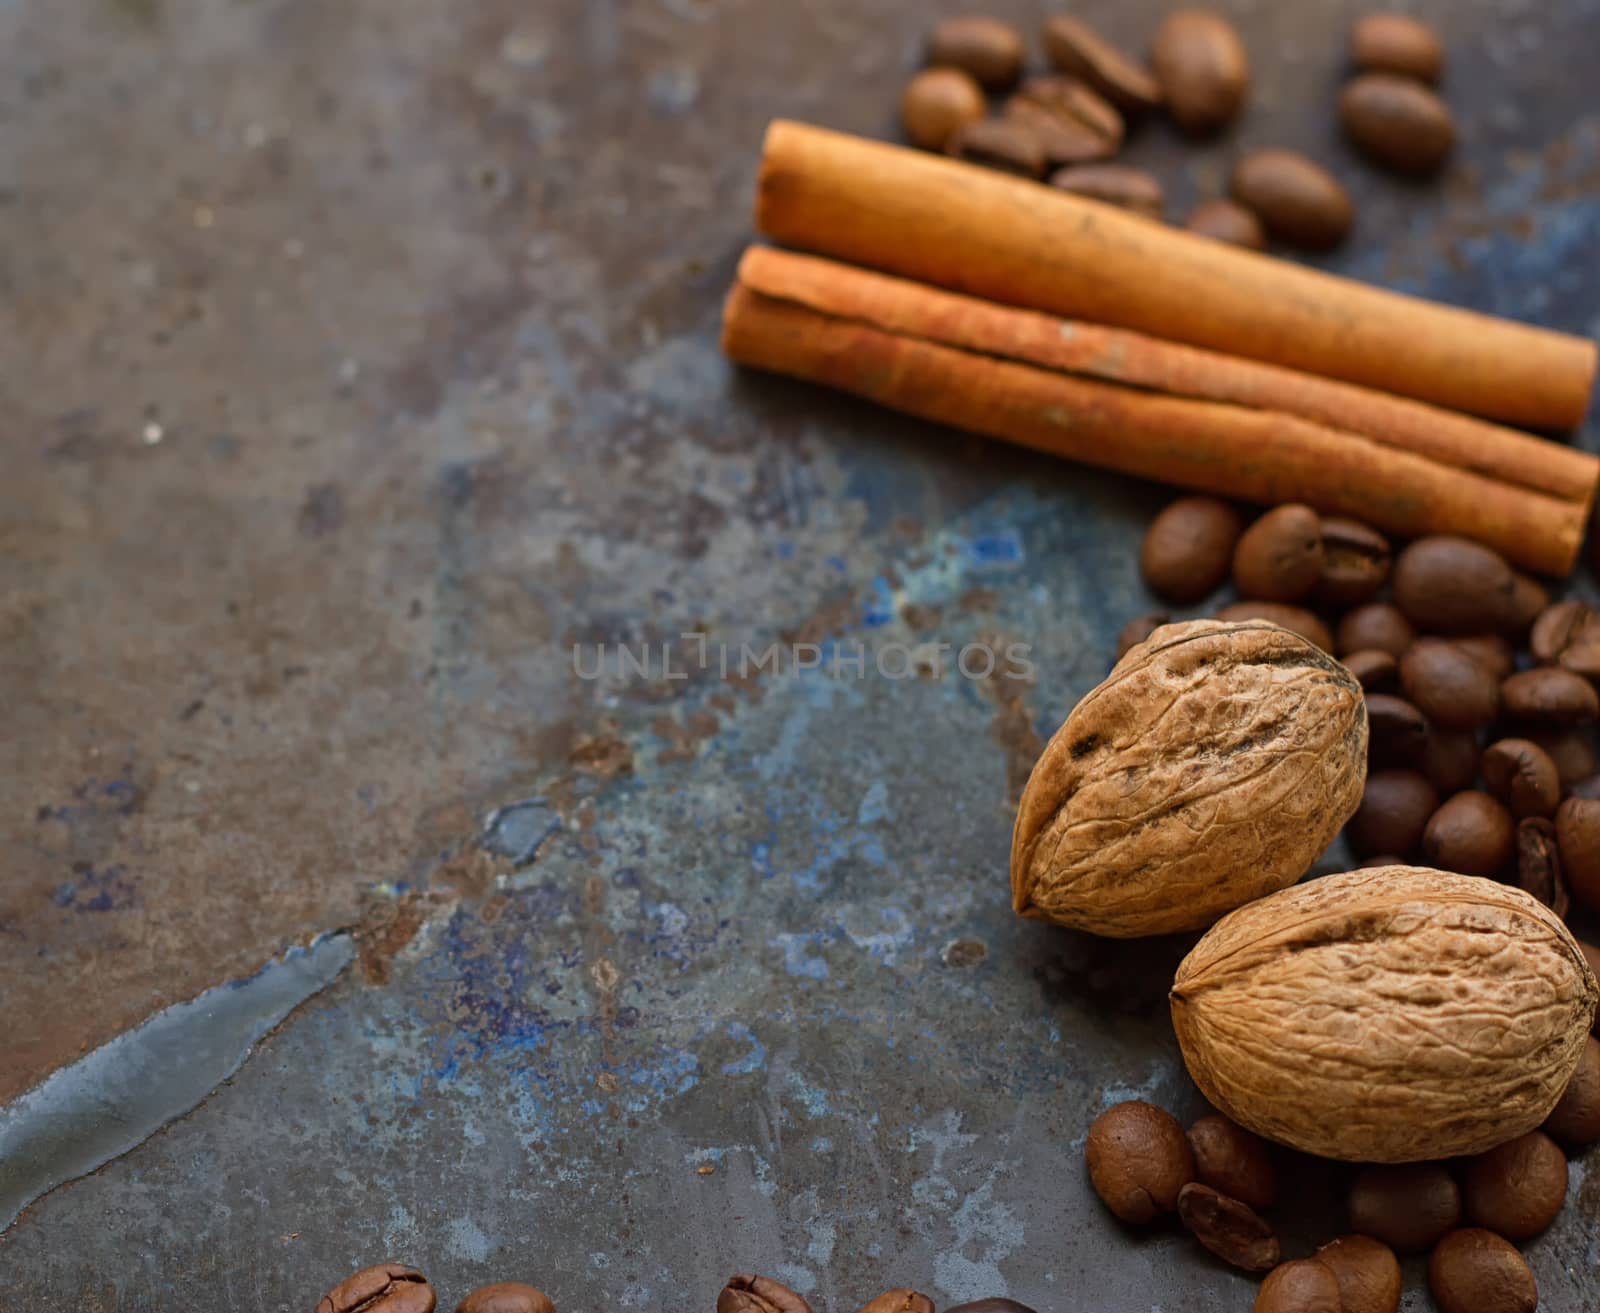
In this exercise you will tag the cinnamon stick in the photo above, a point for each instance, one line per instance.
(1006, 373)
(1014, 241)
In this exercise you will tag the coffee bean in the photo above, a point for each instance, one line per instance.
(1578, 839)
(1227, 221)
(1200, 63)
(991, 51)
(1303, 1286)
(1454, 586)
(1494, 653)
(1367, 1271)
(1549, 695)
(1571, 750)
(1355, 563)
(1394, 811)
(1517, 1189)
(1449, 687)
(1568, 634)
(1539, 864)
(1575, 1120)
(1408, 1206)
(1231, 1160)
(899, 1301)
(1450, 760)
(1001, 144)
(1529, 600)
(1138, 629)
(1471, 834)
(1393, 43)
(1073, 122)
(382, 1288)
(747, 1293)
(1279, 558)
(1114, 184)
(1231, 1230)
(992, 1305)
(1475, 1271)
(511, 1297)
(1397, 122)
(1189, 547)
(1138, 1161)
(1076, 49)
(1296, 619)
(1521, 774)
(1377, 625)
(937, 104)
(1398, 731)
(1375, 671)
(1297, 200)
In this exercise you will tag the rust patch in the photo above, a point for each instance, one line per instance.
(1012, 725)
(976, 600)
(386, 935)
(605, 757)
(921, 617)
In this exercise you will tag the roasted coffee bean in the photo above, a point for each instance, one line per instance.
(1188, 548)
(1303, 1286)
(1138, 629)
(1375, 671)
(1202, 68)
(991, 51)
(1139, 1159)
(993, 1305)
(1296, 619)
(1521, 774)
(382, 1288)
(1471, 833)
(1279, 558)
(1367, 1271)
(1448, 685)
(1395, 808)
(513, 1297)
(1549, 695)
(1539, 864)
(1231, 1160)
(1557, 628)
(1394, 43)
(1517, 1189)
(1399, 732)
(1231, 1230)
(1114, 184)
(1297, 200)
(899, 1301)
(1578, 839)
(1074, 123)
(1398, 122)
(1475, 1271)
(1227, 221)
(1377, 625)
(999, 144)
(1529, 600)
(1408, 1206)
(937, 104)
(1572, 751)
(1493, 653)
(1075, 49)
(1575, 1120)
(1454, 586)
(1355, 563)
(1450, 760)
(747, 1293)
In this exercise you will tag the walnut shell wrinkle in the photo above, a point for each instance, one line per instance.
(1388, 1015)
(1212, 766)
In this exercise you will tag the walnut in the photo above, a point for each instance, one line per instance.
(1387, 1015)
(1211, 767)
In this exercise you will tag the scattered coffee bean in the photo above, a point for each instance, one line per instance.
(1394, 43)
(999, 144)
(1450, 760)
(1575, 1120)
(1201, 65)
(1227, 221)
(1454, 586)
(1494, 653)
(1189, 547)
(1572, 751)
(1517, 1189)
(1303, 1286)
(1139, 1159)
(1398, 122)
(1138, 629)
(1367, 1271)
(1230, 1159)
(1398, 731)
(1378, 625)
(1297, 200)
(1355, 563)
(1375, 671)
(899, 1301)
(1549, 695)
(747, 1293)
(382, 1288)
(991, 51)
(511, 1297)
(1448, 685)
(1556, 629)
(1076, 49)
(1578, 839)
(1395, 808)
(937, 104)
(1074, 123)
(1279, 558)
(1539, 864)
(1529, 600)
(1521, 774)
(1296, 619)
(1231, 1230)
(1408, 1206)
(1475, 1271)
(1114, 184)
(1471, 833)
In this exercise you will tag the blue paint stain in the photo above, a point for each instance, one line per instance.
(812, 1099)
(837, 563)
(752, 1061)
(785, 550)
(110, 889)
(796, 960)
(519, 829)
(874, 803)
(996, 550)
(880, 608)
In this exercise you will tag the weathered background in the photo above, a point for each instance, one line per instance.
(359, 360)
